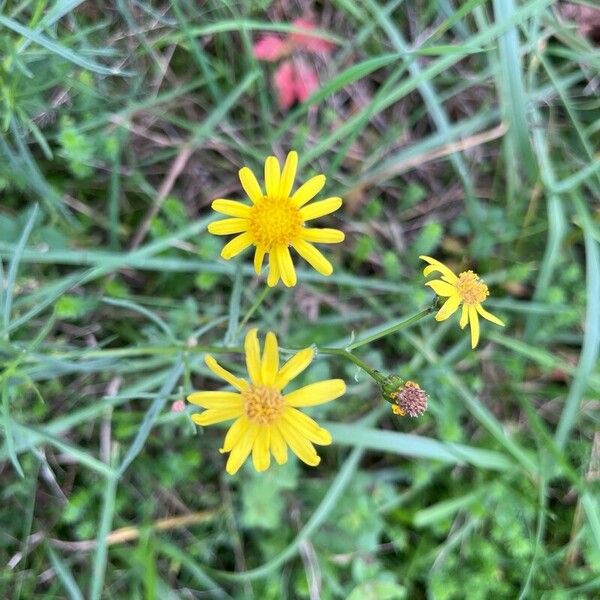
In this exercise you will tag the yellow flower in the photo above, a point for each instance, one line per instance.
(466, 289)
(276, 220)
(266, 420)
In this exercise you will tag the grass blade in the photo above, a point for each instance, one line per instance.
(58, 49)
(513, 93)
(65, 575)
(318, 517)
(417, 446)
(588, 359)
(150, 417)
(101, 554)
(12, 270)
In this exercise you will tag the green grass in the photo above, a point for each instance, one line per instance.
(467, 131)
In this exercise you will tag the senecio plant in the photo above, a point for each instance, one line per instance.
(266, 420)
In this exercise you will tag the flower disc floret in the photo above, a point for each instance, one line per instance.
(471, 289)
(262, 404)
(274, 222)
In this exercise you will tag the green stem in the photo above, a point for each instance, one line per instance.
(179, 348)
(351, 357)
(255, 306)
(403, 324)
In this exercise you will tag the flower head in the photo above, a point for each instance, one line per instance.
(409, 400)
(276, 220)
(267, 421)
(466, 289)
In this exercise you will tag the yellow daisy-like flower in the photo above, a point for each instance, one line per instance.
(466, 289)
(276, 220)
(266, 420)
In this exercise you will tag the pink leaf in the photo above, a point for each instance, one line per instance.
(310, 43)
(294, 81)
(270, 48)
(306, 80)
(284, 80)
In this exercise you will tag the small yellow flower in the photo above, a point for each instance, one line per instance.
(266, 420)
(276, 220)
(466, 289)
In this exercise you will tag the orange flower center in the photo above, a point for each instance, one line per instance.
(471, 289)
(274, 222)
(262, 405)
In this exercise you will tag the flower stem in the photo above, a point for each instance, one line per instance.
(402, 324)
(351, 357)
(259, 300)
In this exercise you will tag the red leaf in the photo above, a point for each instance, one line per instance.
(270, 48)
(310, 43)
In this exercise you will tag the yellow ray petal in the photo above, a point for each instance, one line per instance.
(488, 315)
(250, 185)
(288, 174)
(323, 236)
(307, 427)
(228, 226)
(316, 393)
(441, 288)
(235, 434)
(215, 399)
(216, 415)
(308, 191)
(219, 371)
(231, 208)
(252, 349)
(464, 317)
(313, 257)
(448, 308)
(274, 273)
(261, 458)
(436, 265)
(272, 176)
(278, 446)
(259, 256)
(320, 208)
(293, 367)
(286, 266)
(270, 359)
(300, 446)
(241, 450)
(474, 322)
(236, 245)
